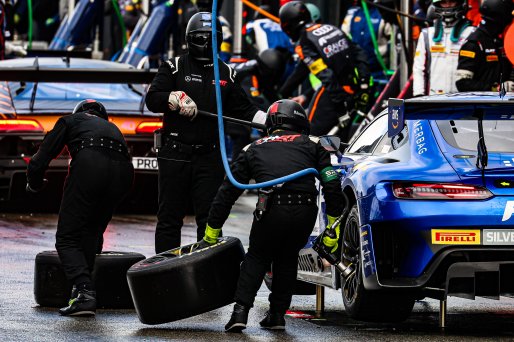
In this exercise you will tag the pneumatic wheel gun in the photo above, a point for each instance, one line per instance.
(325, 252)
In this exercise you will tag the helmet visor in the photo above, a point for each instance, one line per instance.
(201, 39)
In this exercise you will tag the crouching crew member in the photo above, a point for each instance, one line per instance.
(190, 163)
(99, 176)
(284, 217)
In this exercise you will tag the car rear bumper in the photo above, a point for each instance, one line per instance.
(413, 244)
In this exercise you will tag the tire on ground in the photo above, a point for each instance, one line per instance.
(364, 305)
(301, 288)
(52, 289)
(179, 284)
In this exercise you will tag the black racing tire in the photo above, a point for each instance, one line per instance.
(178, 283)
(301, 288)
(52, 289)
(359, 303)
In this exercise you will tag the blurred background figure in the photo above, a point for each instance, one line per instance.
(436, 57)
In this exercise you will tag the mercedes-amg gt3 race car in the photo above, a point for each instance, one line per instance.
(430, 185)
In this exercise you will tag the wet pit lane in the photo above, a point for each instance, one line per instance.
(24, 235)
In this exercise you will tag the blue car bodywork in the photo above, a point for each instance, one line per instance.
(460, 243)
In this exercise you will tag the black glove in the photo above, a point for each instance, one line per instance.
(202, 244)
(36, 187)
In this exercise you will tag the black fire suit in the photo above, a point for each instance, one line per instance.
(340, 65)
(190, 161)
(281, 231)
(483, 64)
(99, 176)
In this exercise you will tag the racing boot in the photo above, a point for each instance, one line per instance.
(273, 321)
(84, 304)
(238, 319)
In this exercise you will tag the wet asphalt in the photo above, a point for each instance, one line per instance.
(23, 235)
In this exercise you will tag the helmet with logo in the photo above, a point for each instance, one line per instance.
(314, 11)
(498, 11)
(91, 106)
(199, 37)
(287, 115)
(294, 16)
(450, 14)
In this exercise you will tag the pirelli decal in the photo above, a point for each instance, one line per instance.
(455, 237)
(492, 58)
(437, 48)
(467, 53)
(317, 66)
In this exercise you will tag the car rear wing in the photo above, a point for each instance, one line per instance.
(39, 74)
(462, 106)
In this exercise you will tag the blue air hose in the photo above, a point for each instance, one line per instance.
(221, 127)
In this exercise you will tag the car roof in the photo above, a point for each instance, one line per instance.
(61, 98)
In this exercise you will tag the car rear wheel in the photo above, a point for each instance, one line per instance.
(359, 303)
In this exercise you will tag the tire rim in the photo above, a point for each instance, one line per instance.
(351, 255)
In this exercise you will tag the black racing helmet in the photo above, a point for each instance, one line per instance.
(272, 64)
(450, 14)
(287, 115)
(294, 16)
(498, 11)
(199, 38)
(91, 106)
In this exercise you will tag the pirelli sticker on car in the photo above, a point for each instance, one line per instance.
(455, 237)
(467, 53)
(498, 237)
(317, 66)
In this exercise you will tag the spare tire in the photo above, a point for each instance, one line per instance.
(184, 282)
(52, 289)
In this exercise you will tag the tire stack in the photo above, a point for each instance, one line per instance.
(52, 289)
(185, 282)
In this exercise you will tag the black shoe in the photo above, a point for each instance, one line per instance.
(238, 319)
(83, 305)
(273, 321)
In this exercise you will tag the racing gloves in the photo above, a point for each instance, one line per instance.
(178, 100)
(210, 237)
(36, 187)
(332, 242)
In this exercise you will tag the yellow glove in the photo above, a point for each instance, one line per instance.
(332, 242)
(211, 235)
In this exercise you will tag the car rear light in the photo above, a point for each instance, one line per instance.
(14, 125)
(147, 127)
(442, 191)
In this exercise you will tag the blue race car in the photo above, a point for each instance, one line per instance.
(430, 185)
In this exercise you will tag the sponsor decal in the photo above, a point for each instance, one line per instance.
(317, 66)
(467, 53)
(276, 138)
(336, 47)
(324, 40)
(395, 117)
(419, 137)
(498, 236)
(322, 30)
(188, 78)
(501, 183)
(222, 82)
(491, 58)
(455, 237)
(437, 48)
(509, 210)
(328, 174)
(368, 255)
